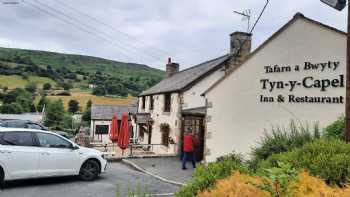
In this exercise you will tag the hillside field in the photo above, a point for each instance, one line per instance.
(16, 81)
(84, 97)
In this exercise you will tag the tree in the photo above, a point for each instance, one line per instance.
(47, 86)
(31, 87)
(55, 114)
(99, 91)
(73, 106)
(42, 102)
(87, 113)
(67, 86)
(13, 108)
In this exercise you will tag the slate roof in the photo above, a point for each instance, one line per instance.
(106, 112)
(186, 78)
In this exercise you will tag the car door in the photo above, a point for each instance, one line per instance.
(20, 157)
(57, 157)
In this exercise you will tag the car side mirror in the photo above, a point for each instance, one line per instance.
(75, 147)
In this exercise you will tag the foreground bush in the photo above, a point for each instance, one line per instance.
(327, 159)
(239, 185)
(336, 129)
(283, 140)
(206, 177)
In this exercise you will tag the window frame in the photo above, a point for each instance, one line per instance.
(2, 134)
(37, 141)
(143, 103)
(167, 102)
(151, 102)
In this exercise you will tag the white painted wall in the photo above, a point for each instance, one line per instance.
(192, 97)
(237, 119)
(173, 118)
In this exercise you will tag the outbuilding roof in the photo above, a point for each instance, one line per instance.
(186, 78)
(106, 112)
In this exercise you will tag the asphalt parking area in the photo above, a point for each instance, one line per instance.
(118, 177)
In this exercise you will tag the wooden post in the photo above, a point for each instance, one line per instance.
(347, 107)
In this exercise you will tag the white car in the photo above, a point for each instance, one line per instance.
(30, 153)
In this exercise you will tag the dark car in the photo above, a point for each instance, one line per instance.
(22, 124)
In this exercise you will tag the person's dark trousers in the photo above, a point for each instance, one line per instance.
(184, 159)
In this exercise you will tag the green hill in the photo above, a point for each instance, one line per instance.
(110, 76)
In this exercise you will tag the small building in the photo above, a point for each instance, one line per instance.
(101, 118)
(297, 74)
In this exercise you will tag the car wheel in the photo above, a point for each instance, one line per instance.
(2, 177)
(89, 171)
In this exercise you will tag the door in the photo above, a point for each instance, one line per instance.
(20, 157)
(196, 125)
(57, 158)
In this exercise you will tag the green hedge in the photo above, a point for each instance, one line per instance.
(205, 177)
(283, 140)
(327, 159)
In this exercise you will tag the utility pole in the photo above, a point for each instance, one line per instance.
(340, 5)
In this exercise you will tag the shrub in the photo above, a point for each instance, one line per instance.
(205, 177)
(336, 129)
(283, 140)
(243, 185)
(327, 159)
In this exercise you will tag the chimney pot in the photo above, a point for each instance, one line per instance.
(171, 68)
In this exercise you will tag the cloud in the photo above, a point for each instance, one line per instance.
(190, 31)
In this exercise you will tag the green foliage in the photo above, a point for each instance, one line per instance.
(205, 177)
(44, 101)
(328, 159)
(73, 106)
(31, 87)
(13, 108)
(55, 116)
(47, 86)
(336, 129)
(131, 78)
(99, 91)
(277, 180)
(282, 140)
(18, 101)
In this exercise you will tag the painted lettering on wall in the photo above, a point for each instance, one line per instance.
(323, 84)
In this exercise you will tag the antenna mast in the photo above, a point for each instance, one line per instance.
(246, 17)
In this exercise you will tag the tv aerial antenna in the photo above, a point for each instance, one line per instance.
(246, 17)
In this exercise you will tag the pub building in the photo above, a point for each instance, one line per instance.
(229, 102)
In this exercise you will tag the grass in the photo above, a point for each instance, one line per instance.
(84, 97)
(16, 81)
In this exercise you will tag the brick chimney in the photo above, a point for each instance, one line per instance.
(171, 68)
(237, 38)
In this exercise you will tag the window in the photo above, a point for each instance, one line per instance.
(167, 102)
(52, 141)
(165, 129)
(17, 138)
(102, 129)
(143, 105)
(151, 103)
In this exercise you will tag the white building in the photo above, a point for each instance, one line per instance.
(175, 104)
(101, 118)
(298, 73)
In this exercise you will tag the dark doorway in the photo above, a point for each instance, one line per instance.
(196, 125)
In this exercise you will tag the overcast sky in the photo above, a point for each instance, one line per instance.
(147, 31)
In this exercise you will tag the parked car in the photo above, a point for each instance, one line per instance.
(64, 134)
(30, 153)
(22, 124)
